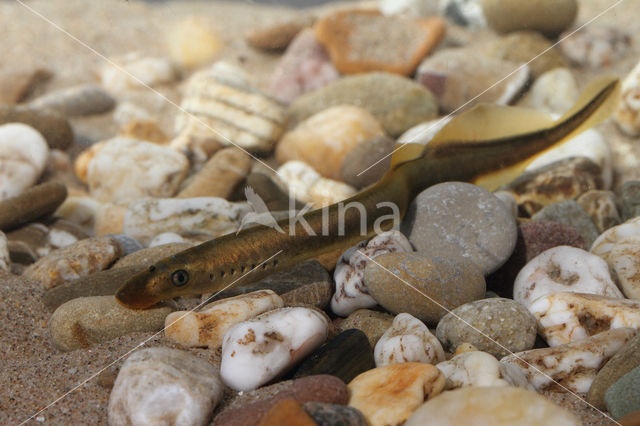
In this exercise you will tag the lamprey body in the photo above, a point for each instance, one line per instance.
(488, 145)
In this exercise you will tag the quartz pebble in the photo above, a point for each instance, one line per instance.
(207, 326)
(303, 183)
(351, 292)
(54, 127)
(612, 236)
(23, 156)
(627, 115)
(334, 415)
(396, 102)
(86, 99)
(324, 139)
(109, 219)
(5, 260)
(624, 260)
(573, 365)
(77, 260)
(87, 321)
(365, 40)
(596, 46)
(425, 287)
(460, 220)
(472, 368)
(388, 395)
(498, 326)
(147, 217)
(566, 317)
(549, 17)
(408, 340)
(125, 170)
(601, 207)
(164, 386)
(34, 203)
(139, 72)
(563, 268)
(192, 42)
(570, 213)
(463, 77)
(256, 351)
(304, 67)
(372, 323)
(554, 92)
(494, 405)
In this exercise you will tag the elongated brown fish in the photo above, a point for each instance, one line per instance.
(488, 145)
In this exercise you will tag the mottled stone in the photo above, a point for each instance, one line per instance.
(316, 294)
(302, 182)
(498, 326)
(630, 198)
(86, 99)
(472, 368)
(612, 236)
(54, 127)
(622, 396)
(570, 213)
(367, 162)
(287, 412)
(627, 115)
(601, 207)
(144, 130)
(549, 17)
(139, 72)
(596, 46)
(164, 386)
(372, 323)
(624, 259)
(334, 415)
(408, 340)
(34, 203)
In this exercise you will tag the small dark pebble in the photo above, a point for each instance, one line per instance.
(334, 415)
(34, 203)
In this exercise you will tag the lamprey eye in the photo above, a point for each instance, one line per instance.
(180, 277)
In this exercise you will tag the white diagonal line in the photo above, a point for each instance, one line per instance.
(441, 306)
(79, 385)
(446, 117)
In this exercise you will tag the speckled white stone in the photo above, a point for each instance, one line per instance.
(566, 317)
(563, 268)
(208, 326)
(407, 340)
(5, 260)
(162, 386)
(258, 350)
(351, 292)
(627, 115)
(624, 258)
(603, 245)
(574, 365)
(475, 368)
(23, 156)
(125, 170)
(303, 183)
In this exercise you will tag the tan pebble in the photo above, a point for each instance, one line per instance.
(144, 130)
(287, 412)
(193, 42)
(109, 219)
(34, 203)
(16, 86)
(81, 165)
(550, 17)
(277, 37)
(464, 347)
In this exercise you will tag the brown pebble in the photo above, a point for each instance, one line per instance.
(17, 86)
(277, 37)
(270, 192)
(34, 203)
(54, 127)
(287, 412)
(144, 130)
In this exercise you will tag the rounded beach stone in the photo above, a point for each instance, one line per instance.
(334, 415)
(287, 412)
(624, 258)
(622, 396)
(550, 17)
(139, 73)
(192, 42)
(502, 320)
(164, 386)
(16, 86)
(570, 213)
(23, 157)
(456, 219)
(367, 162)
(54, 127)
(627, 115)
(630, 197)
(601, 207)
(553, 92)
(560, 269)
(86, 99)
(435, 284)
(612, 236)
(372, 323)
(86, 321)
(33, 203)
(278, 36)
(408, 340)
(499, 406)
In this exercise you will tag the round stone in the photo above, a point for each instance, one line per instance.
(550, 17)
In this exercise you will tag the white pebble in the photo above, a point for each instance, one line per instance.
(407, 340)
(135, 72)
(603, 245)
(555, 91)
(627, 116)
(473, 368)
(624, 258)
(166, 238)
(5, 260)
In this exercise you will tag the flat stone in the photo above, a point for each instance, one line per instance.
(316, 294)
(54, 127)
(34, 203)
(86, 99)
(549, 17)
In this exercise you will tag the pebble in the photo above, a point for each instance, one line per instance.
(554, 91)
(304, 67)
(277, 37)
(566, 317)
(623, 259)
(35, 240)
(365, 40)
(561, 180)
(87, 321)
(126, 112)
(372, 323)
(109, 219)
(316, 294)
(523, 46)
(570, 213)
(627, 115)
(425, 287)
(147, 217)
(460, 220)
(494, 405)
(396, 102)
(630, 198)
(345, 356)
(612, 236)
(54, 127)
(388, 395)
(367, 162)
(192, 42)
(622, 396)
(467, 13)
(5, 260)
(625, 360)
(138, 72)
(563, 268)
(166, 238)
(573, 365)
(351, 291)
(32, 204)
(219, 109)
(473, 368)
(408, 340)
(324, 139)
(274, 197)
(126, 170)
(219, 176)
(424, 132)
(86, 99)
(258, 350)
(72, 262)
(334, 415)
(595, 46)
(164, 386)
(417, 8)
(463, 77)
(249, 407)
(302, 182)
(550, 17)
(506, 327)
(601, 207)
(82, 161)
(287, 412)
(143, 130)
(23, 156)
(16, 86)
(207, 326)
